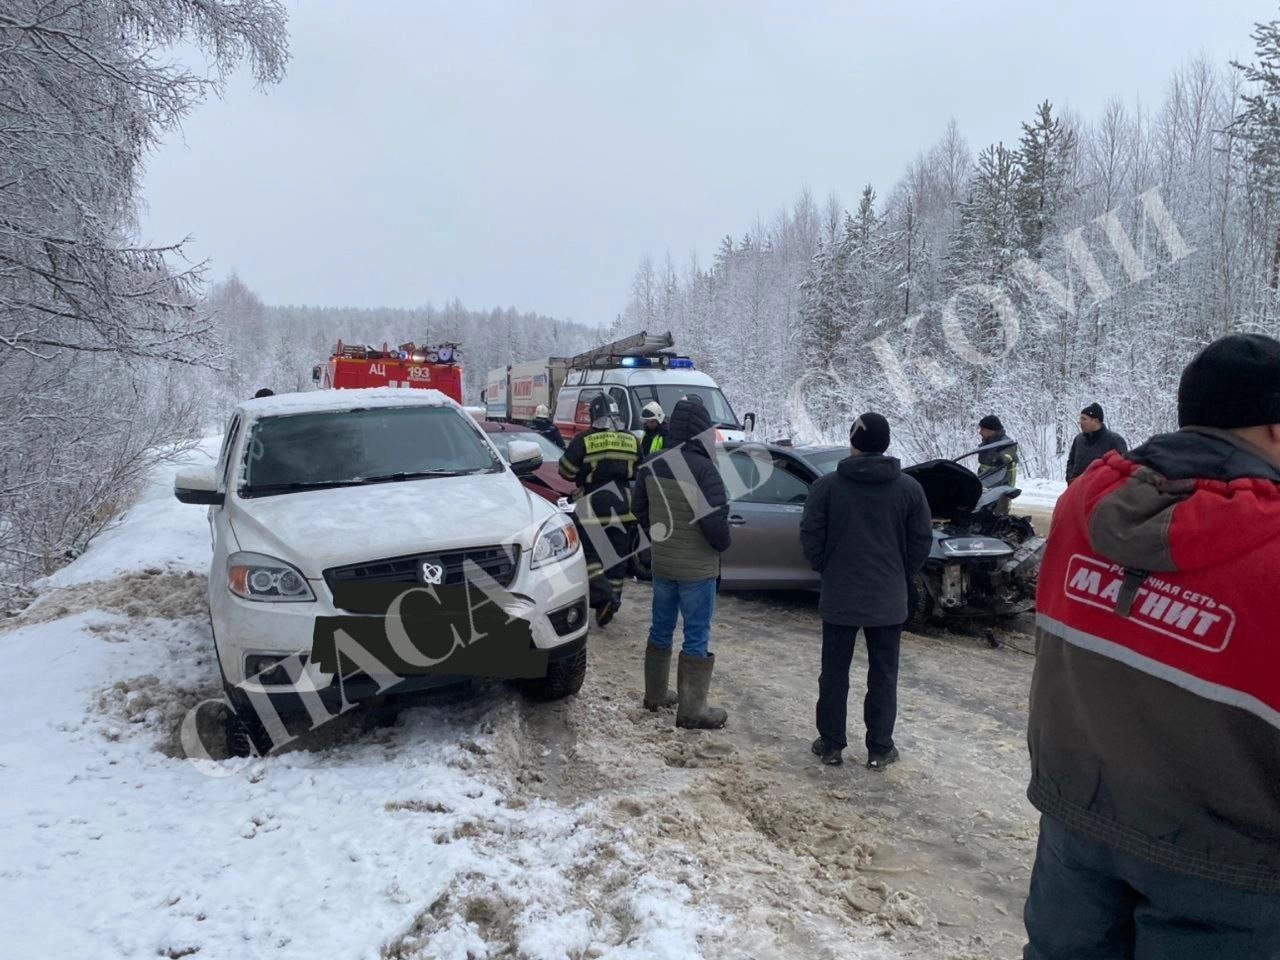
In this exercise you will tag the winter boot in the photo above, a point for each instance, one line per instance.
(878, 761)
(693, 679)
(605, 613)
(830, 754)
(657, 676)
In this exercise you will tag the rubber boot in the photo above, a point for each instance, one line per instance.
(657, 676)
(693, 679)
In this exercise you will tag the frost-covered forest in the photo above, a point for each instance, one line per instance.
(999, 277)
(101, 339)
(1085, 258)
(276, 346)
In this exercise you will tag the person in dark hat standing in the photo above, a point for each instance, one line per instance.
(1094, 442)
(1154, 727)
(999, 466)
(867, 529)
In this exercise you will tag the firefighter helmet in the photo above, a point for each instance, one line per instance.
(601, 407)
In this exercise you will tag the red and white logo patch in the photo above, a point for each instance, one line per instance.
(1166, 608)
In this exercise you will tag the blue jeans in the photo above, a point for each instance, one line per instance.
(695, 601)
(1089, 901)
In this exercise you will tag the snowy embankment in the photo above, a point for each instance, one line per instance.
(1039, 494)
(415, 840)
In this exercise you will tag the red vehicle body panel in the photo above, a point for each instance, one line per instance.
(546, 481)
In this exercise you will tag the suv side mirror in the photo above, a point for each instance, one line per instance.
(749, 422)
(524, 457)
(199, 486)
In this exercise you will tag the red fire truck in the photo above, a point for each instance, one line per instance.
(438, 368)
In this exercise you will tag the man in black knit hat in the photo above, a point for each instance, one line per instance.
(992, 432)
(1094, 442)
(1154, 727)
(867, 529)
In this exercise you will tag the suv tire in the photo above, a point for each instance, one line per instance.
(564, 678)
(919, 604)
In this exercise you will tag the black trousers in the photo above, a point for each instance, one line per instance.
(604, 584)
(880, 708)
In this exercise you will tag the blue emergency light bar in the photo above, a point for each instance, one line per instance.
(680, 363)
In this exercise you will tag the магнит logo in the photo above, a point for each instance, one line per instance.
(1167, 608)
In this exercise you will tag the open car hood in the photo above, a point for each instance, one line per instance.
(951, 489)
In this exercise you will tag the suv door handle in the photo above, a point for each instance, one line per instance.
(736, 521)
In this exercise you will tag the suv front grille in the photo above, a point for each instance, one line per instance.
(499, 562)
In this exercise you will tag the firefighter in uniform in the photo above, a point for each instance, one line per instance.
(602, 462)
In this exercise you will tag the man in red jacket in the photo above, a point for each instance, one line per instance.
(1155, 706)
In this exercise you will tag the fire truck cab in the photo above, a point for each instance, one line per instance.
(634, 371)
(353, 366)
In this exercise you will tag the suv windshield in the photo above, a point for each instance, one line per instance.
(351, 447)
(668, 394)
(550, 452)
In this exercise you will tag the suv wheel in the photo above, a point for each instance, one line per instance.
(564, 678)
(246, 736)
(919, 604)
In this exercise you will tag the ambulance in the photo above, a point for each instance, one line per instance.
(631, 372)
(353, 366)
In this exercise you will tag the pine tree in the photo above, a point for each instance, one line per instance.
(1258, 125)
(1044, 162)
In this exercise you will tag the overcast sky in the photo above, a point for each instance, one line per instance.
(529, 154)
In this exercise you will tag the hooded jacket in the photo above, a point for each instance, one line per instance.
(868, 530)
(1088, 447)
(1155, 704)
(680, 490)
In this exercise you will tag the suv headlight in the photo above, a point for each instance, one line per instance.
(557, 540)
(255, 576)
(976, 547)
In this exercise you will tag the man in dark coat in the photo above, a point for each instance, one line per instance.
(1094, 442)
(1154, 726)
(867, 529)
(543, 424)
(681, 493)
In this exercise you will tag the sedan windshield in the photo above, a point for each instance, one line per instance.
(825, 461)
(669, 394)
(351, 447)
(550, 452)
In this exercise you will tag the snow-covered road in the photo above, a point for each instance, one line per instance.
(484, 825)
(111, 845)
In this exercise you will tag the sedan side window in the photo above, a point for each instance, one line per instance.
(780, 486)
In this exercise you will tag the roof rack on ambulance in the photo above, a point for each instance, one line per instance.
(640, 350)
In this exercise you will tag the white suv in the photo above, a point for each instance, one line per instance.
(340, 518)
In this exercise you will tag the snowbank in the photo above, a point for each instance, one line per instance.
(414, 840)
(1040, 494)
